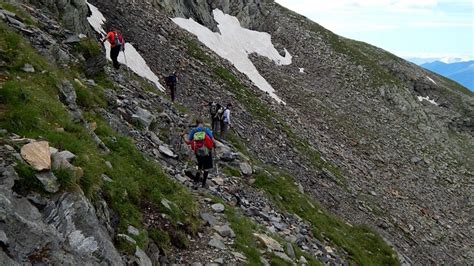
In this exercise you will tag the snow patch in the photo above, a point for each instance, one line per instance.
(131, 58)
(301, 70)
(427, 98)
(235, 44)
(430, 79)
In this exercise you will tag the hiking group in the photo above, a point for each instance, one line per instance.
(201, 138)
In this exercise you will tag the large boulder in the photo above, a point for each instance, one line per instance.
(37, 155)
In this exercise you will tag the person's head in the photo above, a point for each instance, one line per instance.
(199, 121)
(229, 105)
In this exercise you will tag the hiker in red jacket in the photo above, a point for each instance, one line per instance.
(117, 44)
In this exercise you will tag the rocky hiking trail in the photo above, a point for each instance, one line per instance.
(129, 101)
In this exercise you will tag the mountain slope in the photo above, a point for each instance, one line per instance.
(355, 134)
(121, 195)
(354, 117)
(462, 72)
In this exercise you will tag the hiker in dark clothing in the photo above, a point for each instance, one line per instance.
(117, 44)
(225, 122)
(171, 81)
(201, 140)
(216, 112)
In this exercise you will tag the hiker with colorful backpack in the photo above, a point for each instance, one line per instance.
(201, 140)
(117, 44)
(171, 81)
(216, 112)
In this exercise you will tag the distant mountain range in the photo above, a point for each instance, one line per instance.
(462, 72)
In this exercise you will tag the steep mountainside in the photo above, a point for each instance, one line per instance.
(377, 140)
(462, 72)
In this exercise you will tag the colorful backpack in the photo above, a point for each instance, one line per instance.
(202, 143)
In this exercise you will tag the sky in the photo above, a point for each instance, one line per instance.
(429, 29)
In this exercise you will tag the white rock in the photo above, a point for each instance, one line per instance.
(164, 149)
(269, 242)
(218, 207)
(133, 231)
(37, 155)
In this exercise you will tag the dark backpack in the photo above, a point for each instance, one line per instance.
(171, 80)
(118, 39)
(214, 109)
(220, 113)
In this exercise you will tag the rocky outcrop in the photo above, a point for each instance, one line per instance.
(71, 13)
(60, 230)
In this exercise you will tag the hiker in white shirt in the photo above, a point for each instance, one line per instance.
(225, 123)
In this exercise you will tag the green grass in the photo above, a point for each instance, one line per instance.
(364, 246)
(231, 171)
(195, 51)
(22, 14)
(245, 241)
(88, 47)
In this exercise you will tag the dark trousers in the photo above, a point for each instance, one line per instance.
(172, 91)
(224, 128)
(204, 177)
(216, 125)
(114, 52)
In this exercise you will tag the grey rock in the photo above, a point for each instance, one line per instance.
(196, 264)
(303, 260)
(143, 117)
(49, 181)
(209, 218)
(153, 252)
(72, 39)
(218, 207)
(127, 238)
(290, 251)
(28, 68)
(246, 169)
(219, 260)
(264, 261)
(7, 13)
(65, 155)
(8, 178)
(5, 260)
(3, 238)
(229, 156)
(133, 231)
(283, 256)
(164, 149)
(216, 243)
(166, 203)
(109, 165)
(224, 230)
(155, 138)
(106, 178)
(15, 22)
(143, 259)
(181, 178)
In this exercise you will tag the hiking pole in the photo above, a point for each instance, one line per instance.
(126, 64)
(217, 163)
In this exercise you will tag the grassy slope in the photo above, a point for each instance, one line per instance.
(30, 107)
